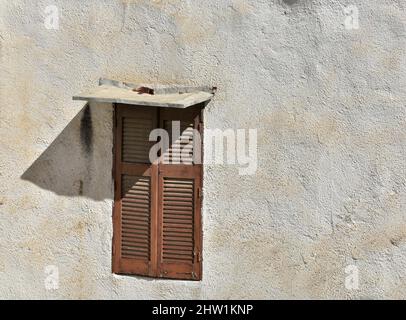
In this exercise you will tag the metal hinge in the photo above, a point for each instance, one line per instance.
(199, 193)
(197, 256)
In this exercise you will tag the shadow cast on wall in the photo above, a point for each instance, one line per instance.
(74, 165)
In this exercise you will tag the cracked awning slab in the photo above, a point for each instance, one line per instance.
(111, 91)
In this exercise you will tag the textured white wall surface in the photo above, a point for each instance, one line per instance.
(328, 102)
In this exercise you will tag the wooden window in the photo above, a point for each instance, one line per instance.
(157, 206)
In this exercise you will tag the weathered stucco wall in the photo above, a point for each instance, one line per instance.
(328, 104)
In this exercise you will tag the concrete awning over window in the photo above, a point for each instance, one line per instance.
(111, 91)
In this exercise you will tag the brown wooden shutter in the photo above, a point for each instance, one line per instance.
(134, 243)
(157, 217)
(180, 200)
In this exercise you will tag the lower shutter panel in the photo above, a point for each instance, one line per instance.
(135, 224)
(178, 243)
(135, 217)
(179, 258)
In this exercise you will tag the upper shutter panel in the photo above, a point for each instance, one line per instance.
(180, 149)
(182, 126)
(135, 133)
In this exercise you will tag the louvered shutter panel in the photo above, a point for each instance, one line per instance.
(135, 217)
(180, 149)
(135, 180)
(136, 145)
(180, 200)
